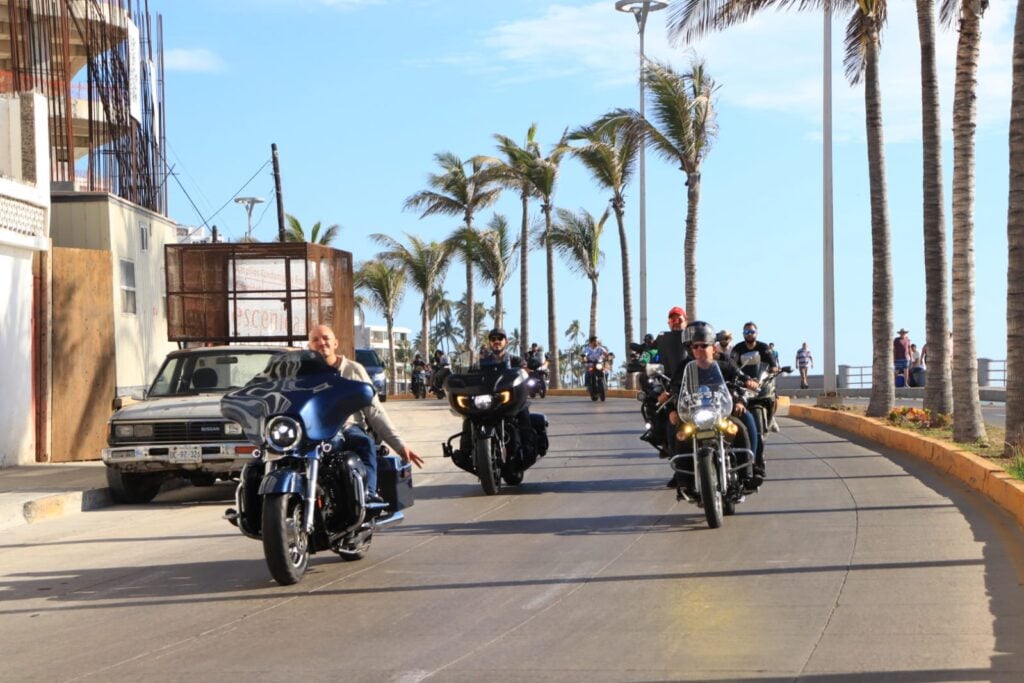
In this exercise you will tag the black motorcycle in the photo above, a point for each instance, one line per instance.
(653, 382)
(762, 401)
(303, 492)
(595, 381)
(437, 378)
(538, 377)
(490, 444)
(419, 383)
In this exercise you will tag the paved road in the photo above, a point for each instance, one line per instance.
(851, 565)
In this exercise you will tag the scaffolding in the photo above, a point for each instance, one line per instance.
(99, 64)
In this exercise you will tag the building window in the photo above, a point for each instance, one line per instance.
(143, 236)
(127, 286)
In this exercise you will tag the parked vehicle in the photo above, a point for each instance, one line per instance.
(177, 430)
(369, 359)
(714, 466)
(490, 444)
(303, 492)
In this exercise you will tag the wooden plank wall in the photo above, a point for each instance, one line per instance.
(83, 361)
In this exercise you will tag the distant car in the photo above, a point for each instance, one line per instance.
(177, 430)
(369, 359)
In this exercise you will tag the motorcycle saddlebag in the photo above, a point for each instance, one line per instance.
(540, 427)
(394, 479)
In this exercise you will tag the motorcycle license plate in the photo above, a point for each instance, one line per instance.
(186, 454)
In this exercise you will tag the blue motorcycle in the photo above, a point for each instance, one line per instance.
(303, 492)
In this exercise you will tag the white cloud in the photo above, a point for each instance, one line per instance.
(773, 62)
(197, 59)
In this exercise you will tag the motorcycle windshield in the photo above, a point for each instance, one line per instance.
(300, 384)
(704, 389)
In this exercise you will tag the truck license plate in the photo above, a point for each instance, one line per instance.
(186, 454)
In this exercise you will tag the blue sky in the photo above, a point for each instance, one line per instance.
(360, 94)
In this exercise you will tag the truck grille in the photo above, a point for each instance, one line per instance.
(183, 432)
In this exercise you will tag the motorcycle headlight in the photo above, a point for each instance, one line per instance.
(704, 418)
(483, 402)
(283, 433)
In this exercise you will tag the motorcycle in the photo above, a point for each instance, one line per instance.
(714, 459)
(763, 400)
(653, 382)
(595, 380)
(490, 446)
(437, 378)
(538, 373)
(303, 493)
(419, 383)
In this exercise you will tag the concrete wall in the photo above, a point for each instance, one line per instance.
(24, 230)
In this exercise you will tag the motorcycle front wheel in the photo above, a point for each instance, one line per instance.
(710, 496)
(285, 541)
(487, 460)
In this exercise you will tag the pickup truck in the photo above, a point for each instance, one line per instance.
(177, 430)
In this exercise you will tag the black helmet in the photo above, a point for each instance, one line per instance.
(648, 337)
(592, 339)
(497, 332)
(438, 352)
(700, 331)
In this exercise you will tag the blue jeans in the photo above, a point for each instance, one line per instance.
(359, 442)
(755, 439)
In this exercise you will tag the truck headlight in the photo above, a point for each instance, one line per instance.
(232, 429)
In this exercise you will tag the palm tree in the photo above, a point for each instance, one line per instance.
(577, 237)
(573, 334)
(542, 173)
(682, 131)
(691, 19)
(1015, 242)
(513, 173)
(384, 286)
(472, 339)
(454, 192)
(609, 153)
(968, 424)
(295, 233)
(938, 394)
(424, 264)
(496, 253)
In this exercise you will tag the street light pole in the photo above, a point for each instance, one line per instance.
(640, 9)
(248, 202)
(830, 396)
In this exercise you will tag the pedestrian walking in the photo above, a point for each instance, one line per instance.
(804, 362)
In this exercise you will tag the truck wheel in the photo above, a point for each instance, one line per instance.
(133, 488)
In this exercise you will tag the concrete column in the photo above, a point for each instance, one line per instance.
(843, 381)
(984, 378)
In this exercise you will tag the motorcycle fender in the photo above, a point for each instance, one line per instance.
(483, 431)
(283, 481)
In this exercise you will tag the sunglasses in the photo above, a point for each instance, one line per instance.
(494, 339)
(700, 345)
(749, 331)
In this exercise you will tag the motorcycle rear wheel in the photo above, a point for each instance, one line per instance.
(487, 460)
(709, 493)
(285, 541)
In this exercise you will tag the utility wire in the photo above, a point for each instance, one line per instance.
(258, 171)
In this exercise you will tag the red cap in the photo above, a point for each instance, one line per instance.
(676, 311)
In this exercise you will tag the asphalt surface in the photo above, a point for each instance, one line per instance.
(851, 564)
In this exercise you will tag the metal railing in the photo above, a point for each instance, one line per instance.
(991, 373)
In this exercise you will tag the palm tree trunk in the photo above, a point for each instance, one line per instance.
(556, 378)
(627, 290)
(470, 310)
(938, 393)
(968, 425)
(392, 368)
(425, 327)
(690, 243)
(882, 389)
(1015, 243)
(593, 307)
(499, 305)
(524, 276)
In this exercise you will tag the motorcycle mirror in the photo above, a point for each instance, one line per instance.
(787, 369)
(639, 348)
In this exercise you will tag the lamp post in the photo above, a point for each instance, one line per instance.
(830, 396)
(640, 9)
(248, 202)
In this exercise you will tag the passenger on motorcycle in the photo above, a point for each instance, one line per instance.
(594, 352)
(701, 342)
(750, 350)
(535, 359)
(323, 341)
(497, 353)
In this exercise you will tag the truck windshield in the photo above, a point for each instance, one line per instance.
(208, 372)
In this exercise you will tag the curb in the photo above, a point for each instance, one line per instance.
(60, 504)
(983, 476)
